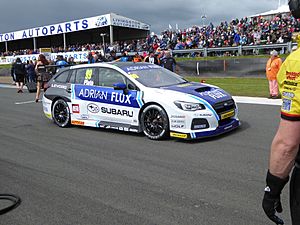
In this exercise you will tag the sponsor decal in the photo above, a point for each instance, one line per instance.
(292, 75)
(92, 94)
(227, 115)
(88, 82)
(101, 21)
(290, 89)
(103, 95)
(286, 104)
(117, 112)
(177, 126)
(119, 97)
(177, 121)
(75, 108)
(84, 117)
(72, 26)
(288, 94)
(178, 116)
(178, 135)
(93, 108)
(77, 122)
(184, 85)
(290, 83)
(125, 22)
(134, 76)
(59, 86)
(215, 94)
(142, 67)
(202, 114)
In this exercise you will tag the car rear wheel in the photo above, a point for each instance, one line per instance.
(61, 113)
(155, 122)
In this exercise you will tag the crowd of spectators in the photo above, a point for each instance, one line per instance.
(245, 31)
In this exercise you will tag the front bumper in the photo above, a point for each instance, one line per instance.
(221, 129)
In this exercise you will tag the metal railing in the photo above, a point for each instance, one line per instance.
(240, 50)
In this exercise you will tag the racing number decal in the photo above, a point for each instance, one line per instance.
(88, 74)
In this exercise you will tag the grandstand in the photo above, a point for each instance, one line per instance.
(87, 30)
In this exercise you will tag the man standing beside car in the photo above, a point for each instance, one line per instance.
(285, 154)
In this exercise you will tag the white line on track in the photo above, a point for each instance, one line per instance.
(22, 103)
(255, 100)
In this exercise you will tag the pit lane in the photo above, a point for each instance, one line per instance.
(89, 176)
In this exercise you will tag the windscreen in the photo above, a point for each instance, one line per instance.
(155, 76)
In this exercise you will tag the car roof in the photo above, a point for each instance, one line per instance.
(121, 65)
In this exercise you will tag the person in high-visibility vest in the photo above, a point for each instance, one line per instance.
(284, 153)
(272, 68)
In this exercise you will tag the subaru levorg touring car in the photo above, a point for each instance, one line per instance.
(138, 97)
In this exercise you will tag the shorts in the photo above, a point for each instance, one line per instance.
(20, 77)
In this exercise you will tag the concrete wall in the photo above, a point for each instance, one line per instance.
(229, 67)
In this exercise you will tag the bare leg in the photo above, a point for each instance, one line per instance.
(38, 91)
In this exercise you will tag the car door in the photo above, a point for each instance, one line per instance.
(83, 82)
(119, 108)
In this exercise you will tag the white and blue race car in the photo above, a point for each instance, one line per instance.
(138, 97)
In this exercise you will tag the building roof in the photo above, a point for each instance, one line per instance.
(281, 9)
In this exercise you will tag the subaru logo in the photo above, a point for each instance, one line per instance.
(93, 108)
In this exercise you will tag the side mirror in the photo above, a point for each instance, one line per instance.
(120, 86)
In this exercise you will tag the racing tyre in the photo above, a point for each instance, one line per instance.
(61, 113)
(155, 122)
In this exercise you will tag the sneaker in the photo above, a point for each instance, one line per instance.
(19, 91)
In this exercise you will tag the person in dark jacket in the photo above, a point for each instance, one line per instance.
(31, 71)
(18, 69)
(168, 62)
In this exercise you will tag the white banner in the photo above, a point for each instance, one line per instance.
(78, 57)
(75, 25)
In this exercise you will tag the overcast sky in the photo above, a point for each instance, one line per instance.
(22, 14)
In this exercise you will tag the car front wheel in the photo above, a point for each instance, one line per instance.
(61, 113)
(154, 122)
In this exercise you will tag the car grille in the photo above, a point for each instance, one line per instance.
(225, 106)
(225, 111)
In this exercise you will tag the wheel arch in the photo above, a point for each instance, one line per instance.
(67, 100)
(147, 104)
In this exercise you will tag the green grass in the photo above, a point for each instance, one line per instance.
(243, 86)
(5, 66)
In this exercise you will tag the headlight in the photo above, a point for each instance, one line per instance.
(189, 106)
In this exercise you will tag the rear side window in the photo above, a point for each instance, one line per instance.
(86, 76)
(63, 77)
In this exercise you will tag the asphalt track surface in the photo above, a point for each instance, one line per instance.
(85, 176)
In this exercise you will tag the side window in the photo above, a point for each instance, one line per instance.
(86, 76)
(63, 77)
(131, 85)
(108, 77)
